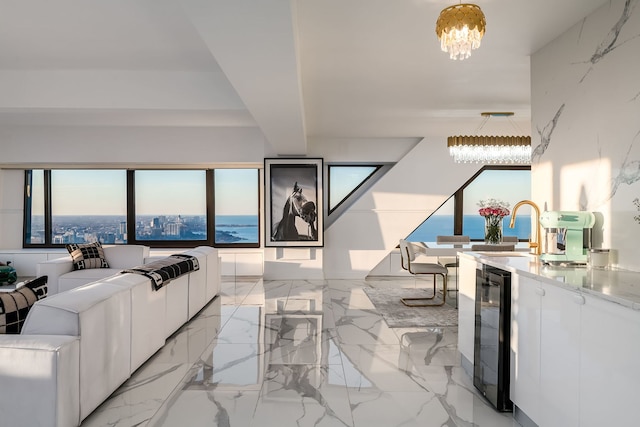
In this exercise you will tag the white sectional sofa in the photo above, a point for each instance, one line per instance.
(78, 346)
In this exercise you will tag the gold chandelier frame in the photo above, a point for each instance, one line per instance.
(460, 29)
(490, 149)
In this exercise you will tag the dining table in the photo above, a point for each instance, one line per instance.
(452, 249)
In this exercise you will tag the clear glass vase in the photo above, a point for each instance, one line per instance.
(492, 230)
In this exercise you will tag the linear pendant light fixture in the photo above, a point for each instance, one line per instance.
(460, 29)
(491, 149)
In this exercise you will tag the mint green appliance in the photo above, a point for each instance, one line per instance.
(566, 236)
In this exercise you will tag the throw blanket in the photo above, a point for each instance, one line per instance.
(164, 270)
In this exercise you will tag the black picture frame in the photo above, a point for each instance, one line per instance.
(294, 202)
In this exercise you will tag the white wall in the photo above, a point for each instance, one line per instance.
(310, 263)
(398, 203)
(588, 80)
(357, 150)
(11, 208)
(356, 243)
(122, 145)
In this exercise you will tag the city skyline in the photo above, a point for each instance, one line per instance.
(112, 229)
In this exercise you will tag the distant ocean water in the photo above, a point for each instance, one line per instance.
(472, 225)
(244, 228)
(237, 229)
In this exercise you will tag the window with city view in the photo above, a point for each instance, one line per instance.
(236, 206)
(173, 208)
(88, 206)
(170, 205)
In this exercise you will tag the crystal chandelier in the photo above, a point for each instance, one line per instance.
(490, 149)
(460, 29)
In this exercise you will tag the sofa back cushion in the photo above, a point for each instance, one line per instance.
(15, 305)
(126, 256)
(87, 255)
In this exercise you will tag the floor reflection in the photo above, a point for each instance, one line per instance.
(303, 353)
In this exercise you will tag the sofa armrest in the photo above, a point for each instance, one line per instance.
(100, 314)
(40, 380)
(53, 269)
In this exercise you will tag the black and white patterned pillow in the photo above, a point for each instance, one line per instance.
(87, 255)
(15, 305)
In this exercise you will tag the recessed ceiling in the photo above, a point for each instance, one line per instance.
(297, 69)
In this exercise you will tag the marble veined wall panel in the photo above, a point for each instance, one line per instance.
(586, 127)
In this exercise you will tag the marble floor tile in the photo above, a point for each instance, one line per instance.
(208, 408)
(372, 407)
(140, 397)
(301, 353)
(303, 395)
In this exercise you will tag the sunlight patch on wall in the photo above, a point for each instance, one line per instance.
(586, 186)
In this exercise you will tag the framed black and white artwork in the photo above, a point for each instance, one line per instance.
(293, 202)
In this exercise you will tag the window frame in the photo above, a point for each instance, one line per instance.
(213, 214)
(458, 199)
(376, 167)
(130, 214)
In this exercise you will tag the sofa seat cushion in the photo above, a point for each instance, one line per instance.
(147, 316)
(87, 255)
(76, 278)
(15, 305)
(177, 304)
(197, 283)
(212, 267)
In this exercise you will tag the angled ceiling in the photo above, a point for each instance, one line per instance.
(298, 70)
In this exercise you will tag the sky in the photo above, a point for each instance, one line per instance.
(345, 179)
(236, 191)
(506, 185)
(103, 192)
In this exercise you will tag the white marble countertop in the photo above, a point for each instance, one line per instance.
(618, 286)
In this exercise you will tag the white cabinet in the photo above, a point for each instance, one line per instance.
(545, 351)
(526, 295)
(466, 306)
(609, 364)
(242, 263)
(575, 358)
(559, 356)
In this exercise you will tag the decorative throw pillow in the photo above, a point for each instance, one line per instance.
(15, 305)
(87, 255)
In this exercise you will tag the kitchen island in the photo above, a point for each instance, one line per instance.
(574, 344)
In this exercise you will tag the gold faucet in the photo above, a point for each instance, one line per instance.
(536, 245)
